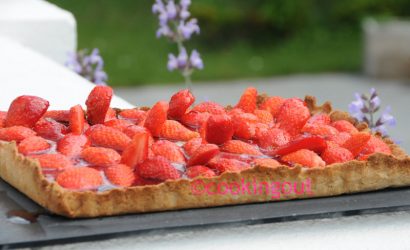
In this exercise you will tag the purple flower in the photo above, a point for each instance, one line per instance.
(387, 118)
(183, 63)
(355, 107)
(195, 60)
(171, 10)
(188, 28)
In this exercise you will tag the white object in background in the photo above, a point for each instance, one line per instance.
(26, 72)
(39, 25)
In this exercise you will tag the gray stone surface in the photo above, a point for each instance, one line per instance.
(338, 88)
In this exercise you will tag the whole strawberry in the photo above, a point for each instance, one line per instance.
(26, 111)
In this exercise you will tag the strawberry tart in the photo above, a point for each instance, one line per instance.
(103, 161)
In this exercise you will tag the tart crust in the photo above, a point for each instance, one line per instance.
(378, 172)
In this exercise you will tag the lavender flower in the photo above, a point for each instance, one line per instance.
(364, 109)
(89, 66)
(174, 24)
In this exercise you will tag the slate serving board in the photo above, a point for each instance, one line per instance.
(52, 229)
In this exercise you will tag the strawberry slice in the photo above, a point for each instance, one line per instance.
(98, 156)
(110, 115)
(120, 175)
(103, 136)
(357, 142)
(98, 103)
(272, 138)
(304, 157)
(195, 119)
(199, 171)
(344, 126)
(173, 130)
(248, 100)
(192, 145)
(16, 133)
(156, 117)
(53, 161)
(158, 168)
(240, 147)
(80, 178)
(209, 107)
(58, 115)
(219, 129)
(272, 104)
(137, 151)
(244, 125)
(221, 165)
(320, 129)
(72, 145)
(33, 144)
(314, 143)
(119, 124)
(266, 162)
(26, 111)
(77, 120)
(141, 181)
(169, 150)
(376, 145)
(134, 115)
(179, 103)
(336, 155)
(264, 116)
(203, 154)
(50, 129)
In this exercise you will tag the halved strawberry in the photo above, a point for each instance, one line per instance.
(345, 126)
(137, 151)
(26, 111)
(212, 108)
(272, 138)
(173, 130)
(141, 181)
(110, 115)
(77, 120)
(50, 129)
(3, 116)
(16, 133)
(169, 150)
(357, 142)
(58, 115)
(319, 129)
(98, 103)
(219, 129)
(158, 168)
(323, 119)
(118, 124)
(313, 143)
(203, 154)
(240, 147)
(339, 138)
(265, 162)
(134, 115)
(80, 178)
(179, 103)
(33, 144)
(199, 170)
(156, 117)
(292, 116)
(221, 165)
(244, 125)
(192, 145)
(248, 100)
(264, 116)
(195, 119)
(304, 157)
(336, 155)
(53, 161)
(107, 137)
(376, 145)
(71, 145)
(120, 175)
(98, 156)
(272, 104)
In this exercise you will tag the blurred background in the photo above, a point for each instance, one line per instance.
(239, 38)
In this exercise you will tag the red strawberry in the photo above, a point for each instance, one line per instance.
(169, 150)
(323, 119)
(219, 129)
(179, 103)
(376, 145)
(173, 130)
(98, 103)
(248, 100)
(319, 129)
(156, 118)
(50, 129)
(3, 119)
(58, 115)
(26, 111)
(273, 104)
(80, 178)
(134, 115)
(77, 120)
(304, 157)
(119, 124)
(140, 181)
(209, 107)
(158, 168)
(292, 116)
(357, 142)
(120, 175)
(340, 138)
(264, 116)
(107, 137)
(130, 131)
(98, 156)
(137, 151)
(239, 147)
(16, 133)
(266, 162)
(202, 171)
(272, 138)
(203, 154)
(345, 126)
(336, 155)
(221, 165)
(244, 125)
(72, 145)
(192, 145)
(33, 144)
(195, 119)
(314, 143)
(110, 115)
(53, 161)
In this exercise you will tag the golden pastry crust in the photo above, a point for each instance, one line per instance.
(378, 172)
